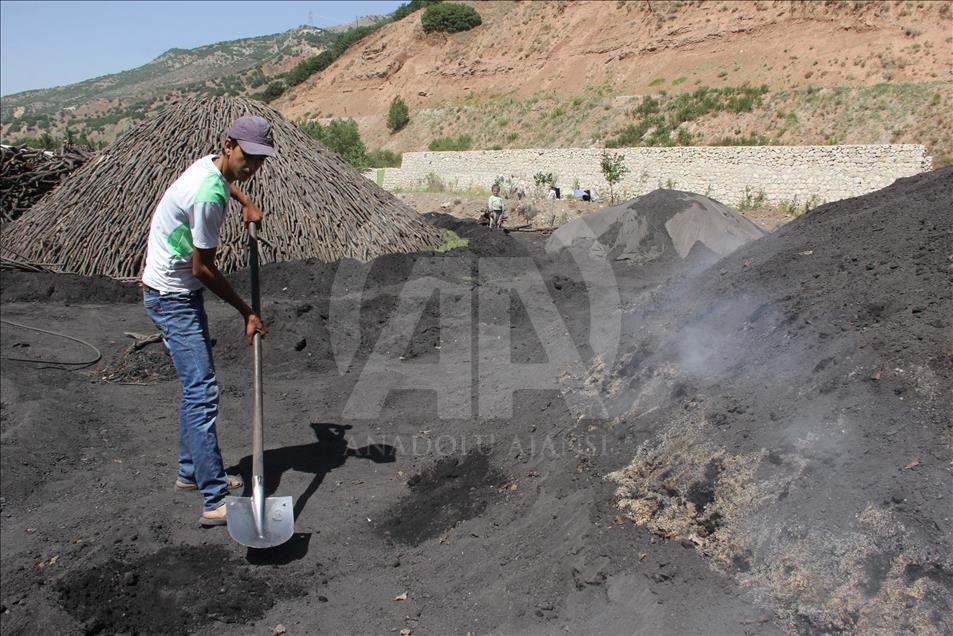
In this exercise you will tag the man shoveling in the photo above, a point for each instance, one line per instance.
(180, 261)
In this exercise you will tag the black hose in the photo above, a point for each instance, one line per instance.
(98, 357)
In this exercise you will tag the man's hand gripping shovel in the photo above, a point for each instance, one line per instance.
(257, 521)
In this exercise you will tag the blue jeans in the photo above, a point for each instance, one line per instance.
(180, 317)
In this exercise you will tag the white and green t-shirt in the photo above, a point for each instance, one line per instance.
(494, 204)
(189, 215)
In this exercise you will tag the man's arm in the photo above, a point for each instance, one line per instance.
(251, 213)
(204, 269)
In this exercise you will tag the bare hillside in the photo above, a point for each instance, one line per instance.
(530, 61)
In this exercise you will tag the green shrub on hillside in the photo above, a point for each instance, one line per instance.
(445, 144)
(45, 141)
(405, 10)
(648, 106)
(632, 134)
(306, 68)
(450, 17)
(397, 115)
(273, 91)
(256, 79)
(342, 137)
(384, 159)
(658, 119)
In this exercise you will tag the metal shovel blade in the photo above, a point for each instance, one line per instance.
(276, 526)
(258, 521)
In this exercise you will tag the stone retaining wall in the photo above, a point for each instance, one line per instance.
(725, 173)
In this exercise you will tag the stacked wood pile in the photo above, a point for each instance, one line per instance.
(316, 205)
(26, 174)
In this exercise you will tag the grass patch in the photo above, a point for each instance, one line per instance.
(451, 241)
(449, 144)
(754, 139)
(659, 119)
(898, 112)
(796, 208)
(384, 159)
(751, 200)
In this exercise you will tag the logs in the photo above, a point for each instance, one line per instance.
(26, 174)
(316, 205)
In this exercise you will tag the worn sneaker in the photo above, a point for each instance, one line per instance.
(234, 483)
(214, 517)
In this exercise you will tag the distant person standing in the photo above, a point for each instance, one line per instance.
(495, 206)
(180, 262)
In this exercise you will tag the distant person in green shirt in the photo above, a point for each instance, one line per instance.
(495, 206)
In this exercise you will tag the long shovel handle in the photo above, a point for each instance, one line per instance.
(258, 469)
(253, 264)
(246, 518)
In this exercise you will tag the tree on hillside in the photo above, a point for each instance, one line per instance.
(397, 115)
(613, 169)
(342, 137)
(405, 10)
(450, 17)
(48, 141)
(273, 91)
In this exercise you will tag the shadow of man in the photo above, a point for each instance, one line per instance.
(330, 451)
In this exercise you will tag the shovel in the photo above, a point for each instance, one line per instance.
(257, 521)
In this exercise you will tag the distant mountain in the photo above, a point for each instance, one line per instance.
(103, 106)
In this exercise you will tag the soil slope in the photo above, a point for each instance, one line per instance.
(539, 49)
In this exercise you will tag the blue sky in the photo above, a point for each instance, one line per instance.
(46, 44)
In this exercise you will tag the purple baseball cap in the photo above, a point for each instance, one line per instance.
(253, 134)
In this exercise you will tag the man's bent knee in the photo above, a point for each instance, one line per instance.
(205, 392)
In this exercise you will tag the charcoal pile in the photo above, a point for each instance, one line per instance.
(801, 391)
(316, 204)
(26, 174)
(659, 226)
